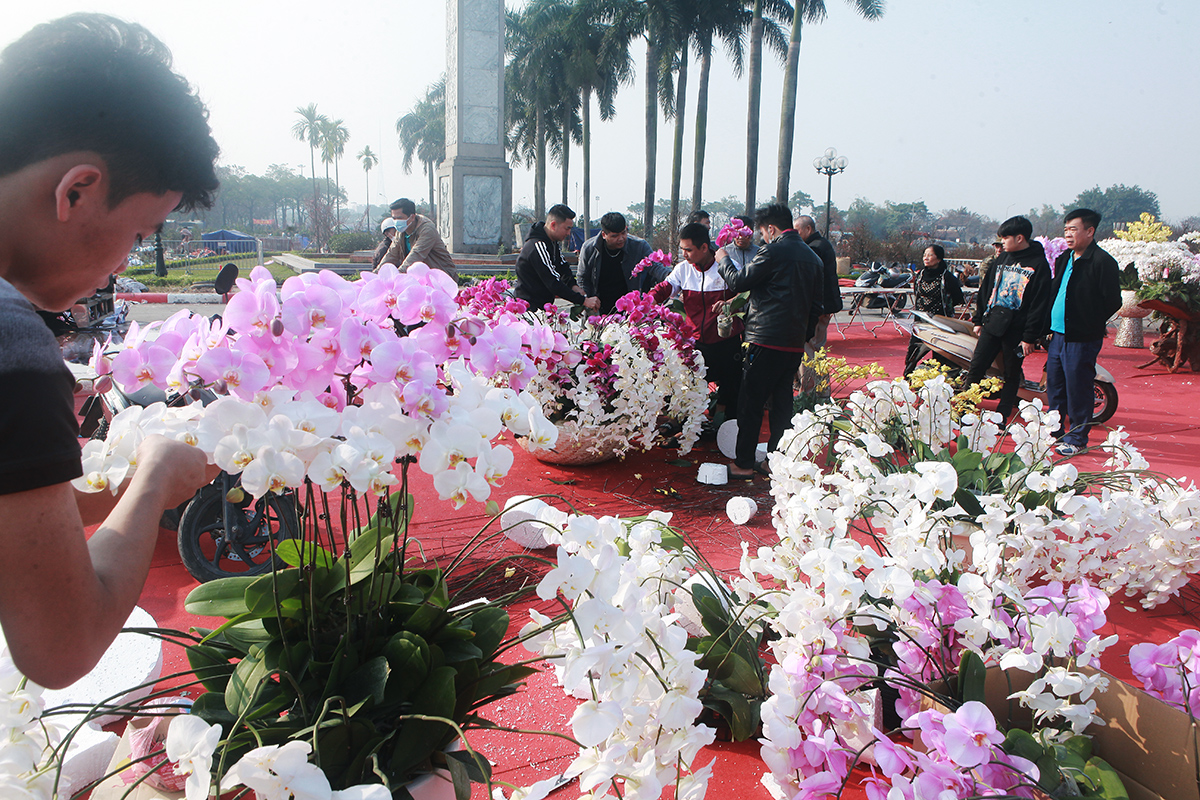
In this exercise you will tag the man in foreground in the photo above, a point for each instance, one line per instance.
(607, 261)
(542, 272)
(1086, 292)
(417, 240)
(784, 281)
(83, 178)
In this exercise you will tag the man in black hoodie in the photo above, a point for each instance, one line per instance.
(542, 273)
(1011, 309)
(1085, 292)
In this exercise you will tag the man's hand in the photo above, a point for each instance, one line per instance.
(721, 255)
(978, 329)
(178, 469)
(1028, 347)
(593, 303)
(578, 291)
(717, 306)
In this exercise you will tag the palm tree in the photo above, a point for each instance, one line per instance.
(368, 159)
(806, 11)
(760, 31)
(334, 136)
(308, 128)
(597, 39)
(663, 29)
(422, 132)
(538, 98)
(727, 20)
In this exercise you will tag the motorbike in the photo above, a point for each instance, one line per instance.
(220, 531)
(895, 276)
(954, 341)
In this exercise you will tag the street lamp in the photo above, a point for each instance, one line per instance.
(829, 164)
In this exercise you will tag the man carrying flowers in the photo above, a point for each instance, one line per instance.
(784, 281)
(99, 141)
(704, 290)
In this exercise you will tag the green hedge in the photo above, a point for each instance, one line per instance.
(354, 240)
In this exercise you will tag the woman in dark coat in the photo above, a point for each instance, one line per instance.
(936, 291)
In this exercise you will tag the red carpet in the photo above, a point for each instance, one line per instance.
(1155, 406)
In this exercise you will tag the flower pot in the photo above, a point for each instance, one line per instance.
(1129, 326)
(580, 447)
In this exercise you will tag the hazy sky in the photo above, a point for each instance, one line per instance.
(997, 105)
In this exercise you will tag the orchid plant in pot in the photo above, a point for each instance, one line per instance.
(609, 381)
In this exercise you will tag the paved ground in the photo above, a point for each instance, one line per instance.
(150, 312)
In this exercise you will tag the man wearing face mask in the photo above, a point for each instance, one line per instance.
(417, 239)
(784, 281)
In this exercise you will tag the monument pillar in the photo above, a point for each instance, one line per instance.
(474, 183)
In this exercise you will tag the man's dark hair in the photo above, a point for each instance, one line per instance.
(775, 214)
(1016, 226)
(697, 233)
(697, 216)
(404, 206)
(91, 82)
(1089, 218)
(560, 212)
(613, 222)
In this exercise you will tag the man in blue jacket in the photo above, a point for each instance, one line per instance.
(607, 261)
(784, 281)
(1086, 292)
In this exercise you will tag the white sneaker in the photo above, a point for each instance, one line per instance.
(1067, 450)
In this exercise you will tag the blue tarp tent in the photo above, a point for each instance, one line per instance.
(229, 242)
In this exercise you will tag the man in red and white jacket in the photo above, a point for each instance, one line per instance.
(702, 287)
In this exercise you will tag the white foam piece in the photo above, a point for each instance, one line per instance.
(740, 510)
(714, 474)
(131, 660)
(727, 438)
(87, 757)
(727, 441)
(519, 521)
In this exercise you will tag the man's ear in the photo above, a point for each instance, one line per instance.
(79, 185)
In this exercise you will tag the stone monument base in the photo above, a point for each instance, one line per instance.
(474, 205)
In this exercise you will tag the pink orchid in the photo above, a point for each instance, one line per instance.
(657, 257)
(733, 229)
(242, 373)
(137, 368)
(970, 734)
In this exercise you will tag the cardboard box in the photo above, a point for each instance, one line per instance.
(1152, 745)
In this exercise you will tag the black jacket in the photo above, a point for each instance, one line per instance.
(1025, 273)
(1093, 294)
(947, 290)
(634, 251)
(831, 290)
(542, 274)
(784, 281)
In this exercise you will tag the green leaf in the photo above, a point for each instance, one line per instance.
(286, 584)
(211, 666)
(490, 625)
(741, 713)
(969, 502)
(1080, 746)
(246, 634)
(298, 553)
(1022, 744)
(254, 669)
(368, 681)
(224, 597)
(1050, 776)
(210, 707)
(1105, 781)
(416, 738)
(971, 676)
(478, 768)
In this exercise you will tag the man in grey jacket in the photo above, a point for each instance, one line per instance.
(607, 261)
(417, 239)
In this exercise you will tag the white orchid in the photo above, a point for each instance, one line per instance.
(191, 743)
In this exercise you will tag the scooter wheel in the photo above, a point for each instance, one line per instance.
(1105, 403)
(212, 546)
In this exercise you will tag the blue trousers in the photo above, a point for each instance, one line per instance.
(1070, 373)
